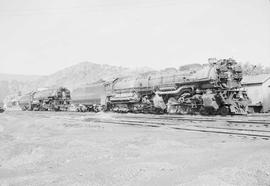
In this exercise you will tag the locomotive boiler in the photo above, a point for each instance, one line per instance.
(214, 89)
(47, 99)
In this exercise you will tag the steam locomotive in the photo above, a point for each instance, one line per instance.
(213, 89)
(55, 99)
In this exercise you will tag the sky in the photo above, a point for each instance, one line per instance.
(42, 36)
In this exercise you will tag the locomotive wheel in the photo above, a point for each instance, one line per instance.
(224, 111)
(203, 112)
(171, 107)
(158, 111)
(211, 111)
(184, 109)
(207, 111)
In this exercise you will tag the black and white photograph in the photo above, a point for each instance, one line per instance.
(134, 93)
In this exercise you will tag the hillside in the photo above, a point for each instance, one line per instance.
(83, 73)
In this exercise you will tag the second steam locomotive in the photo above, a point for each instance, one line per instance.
(213, 89)
(54, 99)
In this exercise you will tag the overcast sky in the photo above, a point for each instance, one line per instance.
(43, 36)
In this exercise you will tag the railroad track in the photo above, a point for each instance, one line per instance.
(219, 125)
(245, 126)
(251, 118)
(232, 120)
(202, 127)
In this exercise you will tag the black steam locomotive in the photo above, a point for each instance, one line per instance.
(213, 89)
(55, 99)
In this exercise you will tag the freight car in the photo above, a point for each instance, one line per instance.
(47, 99)
(214, 89)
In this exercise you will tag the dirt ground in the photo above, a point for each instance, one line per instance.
(46, 148)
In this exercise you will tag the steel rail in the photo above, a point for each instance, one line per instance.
(227, 131)
(202, 119)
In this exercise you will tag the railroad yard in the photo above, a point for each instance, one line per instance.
(70, 148)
